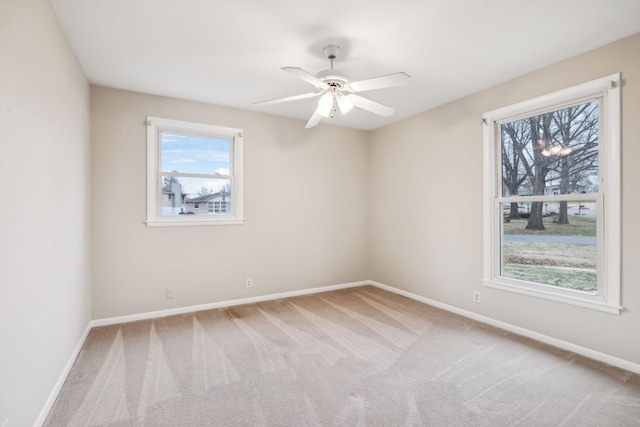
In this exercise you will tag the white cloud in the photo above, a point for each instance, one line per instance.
(192, 186)
(182, 160)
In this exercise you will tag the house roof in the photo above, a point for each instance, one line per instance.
(206, 198)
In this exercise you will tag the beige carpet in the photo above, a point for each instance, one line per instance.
(356, 357)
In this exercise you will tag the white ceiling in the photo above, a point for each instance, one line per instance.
(230, 52)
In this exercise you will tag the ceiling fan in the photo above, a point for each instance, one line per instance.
(336, 91)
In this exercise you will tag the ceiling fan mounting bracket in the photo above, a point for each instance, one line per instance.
(331, 51)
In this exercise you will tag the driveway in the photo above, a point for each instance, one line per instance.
(569, 240)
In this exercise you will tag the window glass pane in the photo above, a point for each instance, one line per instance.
(194, 154)
(552, 153)
(560, 250)
(194, 196)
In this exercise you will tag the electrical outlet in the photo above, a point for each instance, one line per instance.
(476, 297)
(169, 292)
(249, 283)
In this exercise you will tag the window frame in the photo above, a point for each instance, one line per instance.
(608, 296)
(155, 126)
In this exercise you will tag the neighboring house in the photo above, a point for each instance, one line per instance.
(211, 204)
(580, 188)
(173, 199)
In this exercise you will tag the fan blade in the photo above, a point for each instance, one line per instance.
(314, 120)
(369, 105)
(306, 76)
(289, 98)
(381, 82)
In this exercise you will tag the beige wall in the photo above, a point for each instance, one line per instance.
(417, 226)
(432, 244)
(44, 252)
(322, 207)
(305, 201)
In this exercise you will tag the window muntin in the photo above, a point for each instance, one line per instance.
(552, 160)
(198, 162)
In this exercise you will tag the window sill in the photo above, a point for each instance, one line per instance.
(552, 296)
(192, 222)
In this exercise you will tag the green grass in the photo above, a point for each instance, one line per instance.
(550, 254)
(557, 264)
(578, 226)
(567, 266)
(563, 277)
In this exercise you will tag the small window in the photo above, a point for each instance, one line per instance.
(221, 207)
(187, 164)
(552, 196)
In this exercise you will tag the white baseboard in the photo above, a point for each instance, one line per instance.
(592, 354)
(44, 412)
(170, 312)
(228, 303)
(564, 345)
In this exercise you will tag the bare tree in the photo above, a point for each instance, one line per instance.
(578, 135)
(226, 190)
(204, 191)
(514, 136)
(559, 146)
(540, 131)
(168, 181)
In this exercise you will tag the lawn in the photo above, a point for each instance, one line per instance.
(578, 226)
(569, 266)
(568, 278)
(557, 264)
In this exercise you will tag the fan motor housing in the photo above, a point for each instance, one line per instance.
(334, 78)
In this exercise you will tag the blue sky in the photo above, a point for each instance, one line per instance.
(191, 154)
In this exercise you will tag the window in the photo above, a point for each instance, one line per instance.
(222, 207)
(188, 164)
(552, 196)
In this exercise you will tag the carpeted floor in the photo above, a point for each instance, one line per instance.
(355, 357)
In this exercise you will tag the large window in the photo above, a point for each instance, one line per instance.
(190, 168)
(552, 196)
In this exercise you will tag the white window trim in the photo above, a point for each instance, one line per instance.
(156, 125)
(609, 260)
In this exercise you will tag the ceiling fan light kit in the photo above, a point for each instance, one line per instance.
(344, 104)
(325, 105)
(337, 92)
